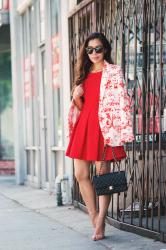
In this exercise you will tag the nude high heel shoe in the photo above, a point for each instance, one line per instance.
(100, 236)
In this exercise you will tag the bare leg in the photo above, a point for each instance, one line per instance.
(104, 201)
(82, 175)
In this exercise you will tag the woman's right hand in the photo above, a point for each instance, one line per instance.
(78, 92)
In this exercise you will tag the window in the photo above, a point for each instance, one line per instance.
(56, 61)
(30, 87)
(42, 20)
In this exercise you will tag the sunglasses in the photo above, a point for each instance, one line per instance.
(98, 49)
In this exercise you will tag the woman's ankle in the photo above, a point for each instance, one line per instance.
(93, 216)
(100, 220)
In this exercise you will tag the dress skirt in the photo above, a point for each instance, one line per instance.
(86, 141)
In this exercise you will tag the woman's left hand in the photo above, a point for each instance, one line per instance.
(105, 143)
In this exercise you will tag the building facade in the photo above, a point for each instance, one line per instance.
(41, 91)
(46, 36)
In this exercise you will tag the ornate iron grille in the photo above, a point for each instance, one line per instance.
(137, 33)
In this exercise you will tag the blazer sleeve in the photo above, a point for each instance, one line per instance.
(72, 117)
(125, 110)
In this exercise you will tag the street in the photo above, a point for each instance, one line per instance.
(30, 220)
(24, 229)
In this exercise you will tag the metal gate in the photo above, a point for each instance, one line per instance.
(137, 33)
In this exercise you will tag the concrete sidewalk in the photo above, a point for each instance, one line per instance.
(72, 228)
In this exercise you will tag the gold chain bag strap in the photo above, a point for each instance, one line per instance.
(109, 183)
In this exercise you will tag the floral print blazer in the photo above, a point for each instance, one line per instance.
(114, 108)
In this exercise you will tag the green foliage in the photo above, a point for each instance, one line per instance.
(5, 81)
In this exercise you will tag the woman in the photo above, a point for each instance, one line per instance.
(99, 115)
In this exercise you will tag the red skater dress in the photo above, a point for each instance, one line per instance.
(87, 142)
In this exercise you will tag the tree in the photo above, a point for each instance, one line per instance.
(5, 89)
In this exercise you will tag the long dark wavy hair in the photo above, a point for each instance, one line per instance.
(83, 64)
